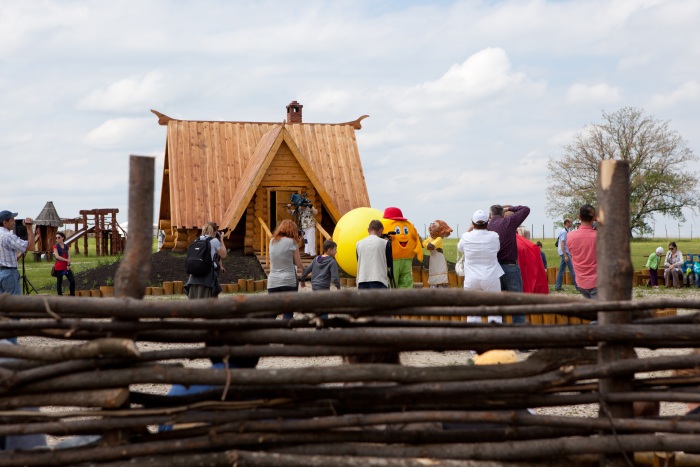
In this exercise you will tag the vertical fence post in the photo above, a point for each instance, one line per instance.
(135, 268)
(614, 279)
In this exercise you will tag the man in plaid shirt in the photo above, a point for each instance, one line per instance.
(12, 247)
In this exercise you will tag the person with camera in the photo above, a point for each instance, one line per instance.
(303, 215)
(207, 285)
(62, 266)
(11, 248)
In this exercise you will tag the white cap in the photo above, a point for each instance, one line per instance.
(660, 251)
(480, 216)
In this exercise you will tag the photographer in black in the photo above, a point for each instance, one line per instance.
(11, 248)
(303, 212)
(207, 286)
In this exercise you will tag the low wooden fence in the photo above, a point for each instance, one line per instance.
(93, 377)
(106, 364)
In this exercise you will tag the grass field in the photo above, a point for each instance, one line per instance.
(39, 274)
(640, 250)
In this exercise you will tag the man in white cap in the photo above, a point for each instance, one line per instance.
(12, 247)
(480, 249)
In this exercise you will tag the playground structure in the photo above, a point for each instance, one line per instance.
(46, 225)
(110, 237)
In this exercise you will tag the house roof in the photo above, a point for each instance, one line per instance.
(48, 216)
(213, 167)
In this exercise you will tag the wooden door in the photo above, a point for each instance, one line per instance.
(279, 212)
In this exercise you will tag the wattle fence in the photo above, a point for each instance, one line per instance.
(108, 362)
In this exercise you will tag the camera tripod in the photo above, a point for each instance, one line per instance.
(27, 286)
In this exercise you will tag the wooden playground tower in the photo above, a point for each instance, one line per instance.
(110, 238)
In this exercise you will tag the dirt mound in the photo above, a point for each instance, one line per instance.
(170, 266)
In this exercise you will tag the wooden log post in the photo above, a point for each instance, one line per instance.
(85, 237)
(133, 272)
(614, 280)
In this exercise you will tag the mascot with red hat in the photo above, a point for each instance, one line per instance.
(405, 244)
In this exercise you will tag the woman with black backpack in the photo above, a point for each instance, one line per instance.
(204, 282)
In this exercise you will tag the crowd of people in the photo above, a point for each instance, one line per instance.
(496, 257)
(679, 270)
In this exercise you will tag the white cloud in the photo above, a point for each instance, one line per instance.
(685, 93)
(561, 138)
(484, 75)
(120, 132)
(594, 94)
(129, 94)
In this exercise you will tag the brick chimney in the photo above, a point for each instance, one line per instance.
(294, 112)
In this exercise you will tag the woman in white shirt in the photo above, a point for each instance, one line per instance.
(480, 249)
(674, 266)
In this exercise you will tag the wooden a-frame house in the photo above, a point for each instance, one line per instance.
(241, 175)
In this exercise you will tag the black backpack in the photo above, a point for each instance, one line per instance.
(199, 261)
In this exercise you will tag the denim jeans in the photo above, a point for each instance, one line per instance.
(9, 281)
(562, 269)
(71, 282)
(589, 293)
(512, 281)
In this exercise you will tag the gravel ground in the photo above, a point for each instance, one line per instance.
(419, 359)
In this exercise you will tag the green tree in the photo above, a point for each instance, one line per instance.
(660, 181)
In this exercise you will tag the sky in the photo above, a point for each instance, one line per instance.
(468, 100)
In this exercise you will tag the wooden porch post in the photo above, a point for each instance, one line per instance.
(85, 237)
(614, 281)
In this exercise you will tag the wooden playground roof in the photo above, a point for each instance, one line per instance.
(213, 167)
(48, 216)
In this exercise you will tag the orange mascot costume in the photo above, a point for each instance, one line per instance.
(405, 244)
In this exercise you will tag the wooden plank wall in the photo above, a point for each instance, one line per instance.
(206, 161)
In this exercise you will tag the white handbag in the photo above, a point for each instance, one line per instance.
(459, 265)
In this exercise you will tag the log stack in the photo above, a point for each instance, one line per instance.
(364, 414)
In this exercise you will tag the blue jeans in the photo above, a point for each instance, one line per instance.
(71, 282)
(589, 293)
(9, 281)
(512, 281)
(562, 269)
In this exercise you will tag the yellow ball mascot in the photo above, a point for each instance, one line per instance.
(352, 228)
(405, 244)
